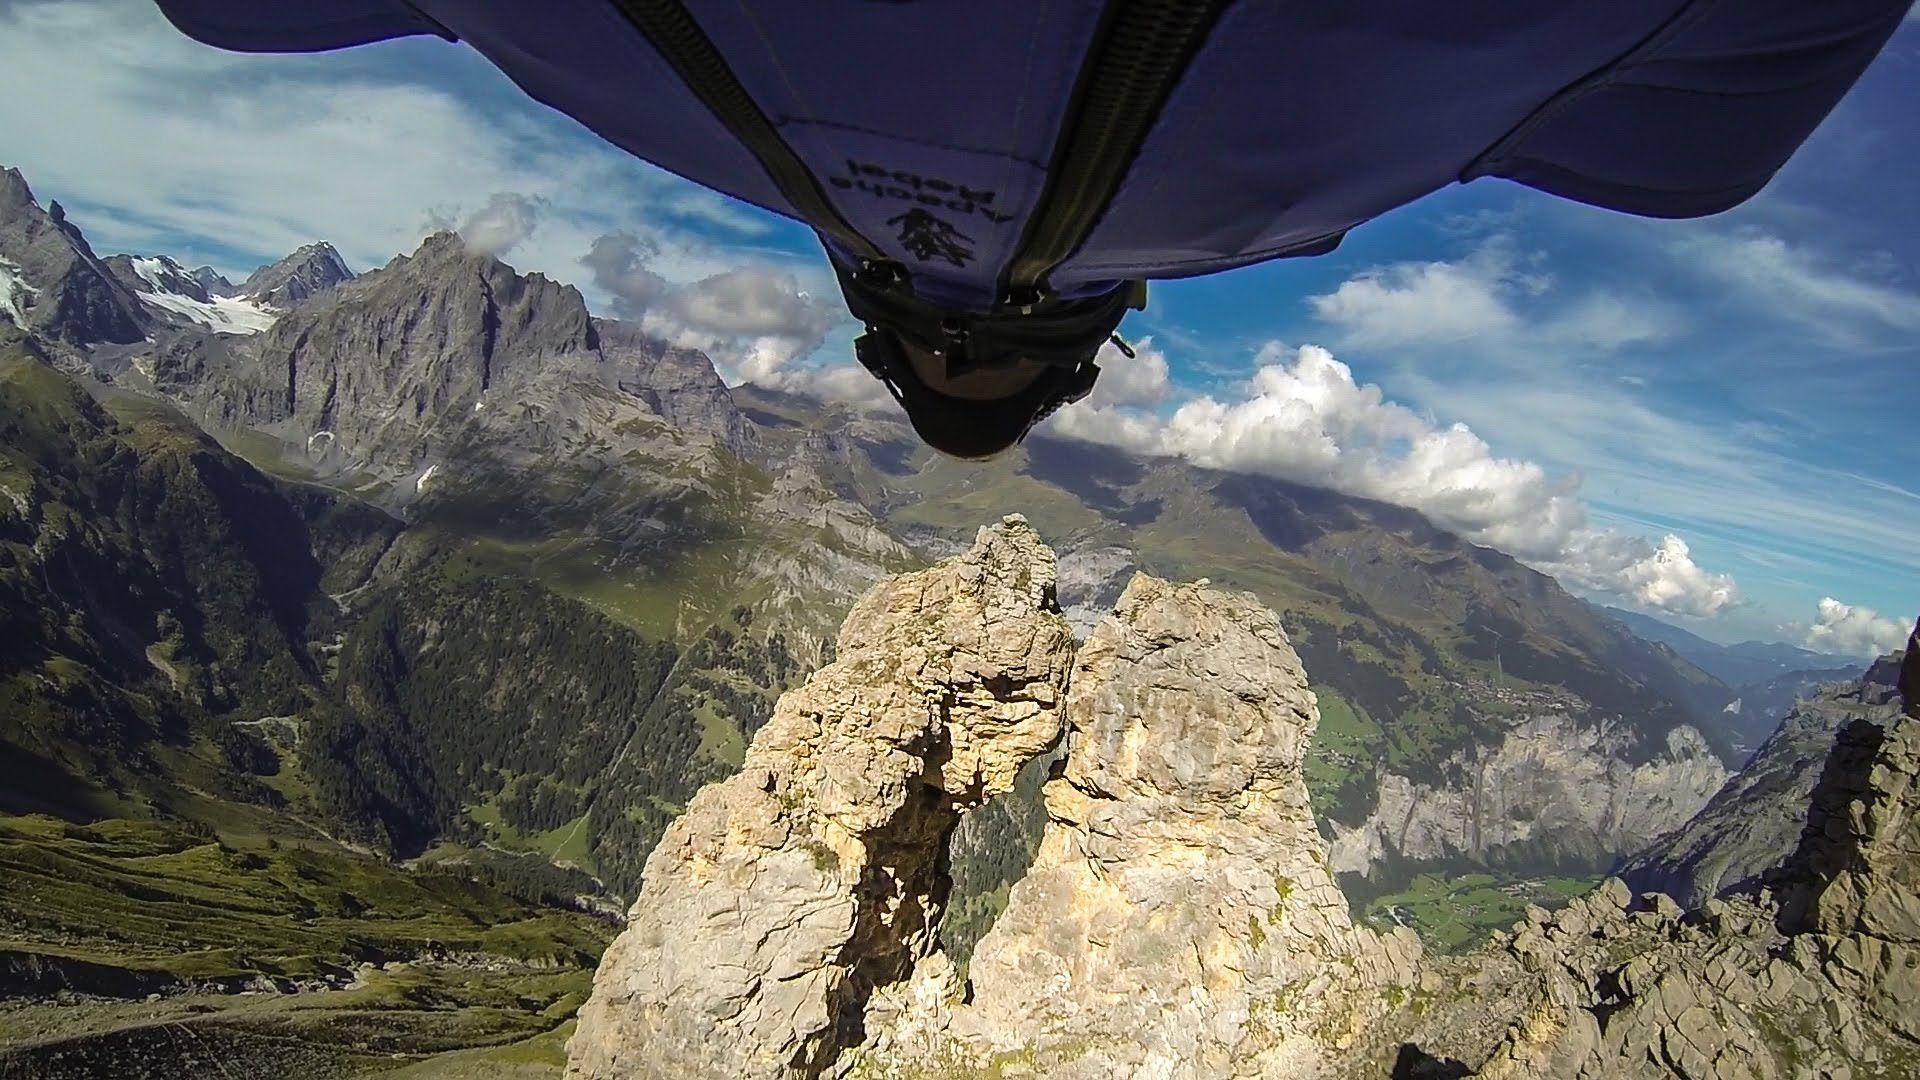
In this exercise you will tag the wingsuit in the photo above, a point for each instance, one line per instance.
(994, 180)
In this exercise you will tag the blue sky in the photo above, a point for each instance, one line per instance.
(1745, 384)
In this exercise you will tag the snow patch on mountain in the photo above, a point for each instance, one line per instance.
(15, 293)
(173, 291)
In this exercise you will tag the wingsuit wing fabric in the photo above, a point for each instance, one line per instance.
(933, 128)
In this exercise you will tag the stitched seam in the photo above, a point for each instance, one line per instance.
(1241, 258)
(1794, 89)
(1562, 170)
(783, 120)
(1489, 159)
(1007, 175)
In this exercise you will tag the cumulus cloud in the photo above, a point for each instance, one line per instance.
(507, 218)
(1303, 417)
(1140, 379)
(1854, 630)
(753, 320)
(1661, 576)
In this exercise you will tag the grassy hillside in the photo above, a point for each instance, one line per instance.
(122, 942)
(170, 694)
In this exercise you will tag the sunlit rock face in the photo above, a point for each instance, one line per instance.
(1180, 919)
(1553, 790)
(786, 894)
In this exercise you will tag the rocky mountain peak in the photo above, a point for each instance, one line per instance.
(14, 192)
(309, 271)
(51, 282)
(213, 281)
(785, 896)
(1179, 919)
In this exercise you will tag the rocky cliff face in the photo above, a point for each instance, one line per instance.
(1755, 820)
(445, 355)
(1853, 887)
(51, 282)
(787, 895)
(1180, 919)
(1816, 975)
(1553, 790)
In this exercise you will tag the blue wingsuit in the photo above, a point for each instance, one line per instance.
(1003, 150)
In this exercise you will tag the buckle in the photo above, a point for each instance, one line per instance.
(877, 352)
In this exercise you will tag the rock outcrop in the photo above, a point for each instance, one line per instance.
(1814, 974)
(1180, 919)
(1754, 822)
(788, 893)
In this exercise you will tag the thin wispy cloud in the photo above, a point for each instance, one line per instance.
(1496, 296)
(1779, 280)
(158, 143)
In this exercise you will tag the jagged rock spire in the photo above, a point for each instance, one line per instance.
(1180, 918)
(786, 894)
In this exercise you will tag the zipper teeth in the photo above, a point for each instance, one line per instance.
(677, 36)
(1147, 47)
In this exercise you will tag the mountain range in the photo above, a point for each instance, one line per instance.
(1767, 677)
(432, 565)
(512, 430)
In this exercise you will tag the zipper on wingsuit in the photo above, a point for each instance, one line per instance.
(1141, 49)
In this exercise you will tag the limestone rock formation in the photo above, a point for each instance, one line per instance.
(787, 893)
(1755, 820)
(1180, 919)
(1553, 789)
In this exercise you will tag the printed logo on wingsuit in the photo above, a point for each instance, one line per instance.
(924, 234)
(927, 237)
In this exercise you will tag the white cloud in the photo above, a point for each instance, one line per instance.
(506, 219)
(1304, 418)
(157, 143)
(753, 320)
(1661, 577)
(1425, 301)
(1496, 295)
(1853, 630)
(1140, 379)
(1792, 282)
